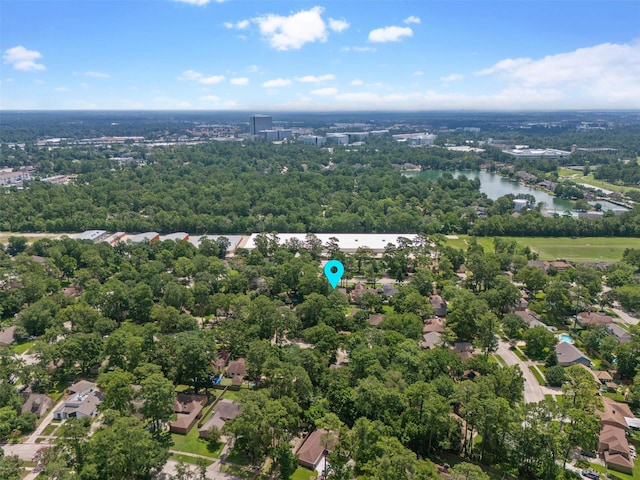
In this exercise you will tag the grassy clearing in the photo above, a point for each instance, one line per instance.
(304, 474)
(589, 180)
(604, 249)
(191, 460)
(538, 375)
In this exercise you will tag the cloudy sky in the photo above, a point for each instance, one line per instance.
(269, 55)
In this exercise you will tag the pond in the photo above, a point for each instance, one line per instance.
(496, 186)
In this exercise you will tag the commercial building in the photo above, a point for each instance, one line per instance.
(312, 140)
(347, 242)
(258, 123)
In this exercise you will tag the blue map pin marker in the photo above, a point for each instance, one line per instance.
(334, 270)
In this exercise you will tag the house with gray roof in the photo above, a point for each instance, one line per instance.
(620, 333)
(569, 355)
(225, 410)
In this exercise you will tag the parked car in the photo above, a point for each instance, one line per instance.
(588, 454)
(591, 474)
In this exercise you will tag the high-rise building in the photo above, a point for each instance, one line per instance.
(260, 122)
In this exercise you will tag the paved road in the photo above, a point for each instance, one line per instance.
(625, 317)
(533, 391)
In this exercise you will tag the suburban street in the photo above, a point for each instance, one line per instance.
(533, 391)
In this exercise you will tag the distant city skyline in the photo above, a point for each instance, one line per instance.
(270, 56)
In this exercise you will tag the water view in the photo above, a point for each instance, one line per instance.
(496, 186)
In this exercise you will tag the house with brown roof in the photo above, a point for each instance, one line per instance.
(188, 409)
(375, 319)
(359, 290)
(463, 349)
(434, 325)
(314, 449)
(236, 370)
(36, 403)
(613, 443)
(614, 413)
(225, 410)
(592, 319)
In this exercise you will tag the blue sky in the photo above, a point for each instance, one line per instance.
(270, 55)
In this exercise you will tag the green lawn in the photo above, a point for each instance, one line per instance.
(189, 459)
(577, 177)
(23, 347)
(304, 474)
(538, 375)
(520, 354)
(622, 476)
(191, 443)
(49, 429)
(231, 395)
(618, 397)
(603, 249)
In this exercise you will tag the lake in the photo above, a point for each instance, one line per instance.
(495, 186)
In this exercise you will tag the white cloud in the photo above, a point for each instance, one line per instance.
(62, 89)
(314, 79)
(253, 69)
(97, 74)
(454, 77)
(325, 91)
(21, 58)
(389, 34)
(601, 73)
(241, 25)
(239, 81)
(338, 25)
(358, 49)
(211, 80)
(278, 82)
(210, 98)
(292, 32)
(412, 19)
(192, 75)
(199, 3)
(417, 73)
(357, 82)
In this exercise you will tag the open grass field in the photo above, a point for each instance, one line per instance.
(587, 249)
(304, 474)
(589, 180)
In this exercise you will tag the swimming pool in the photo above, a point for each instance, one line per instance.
(566, 338)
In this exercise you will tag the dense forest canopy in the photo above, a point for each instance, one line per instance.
(241, 188)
